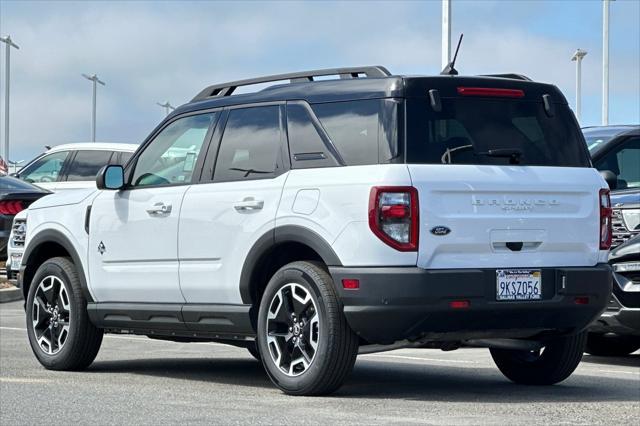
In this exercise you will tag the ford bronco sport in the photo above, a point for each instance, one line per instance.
(317, 219)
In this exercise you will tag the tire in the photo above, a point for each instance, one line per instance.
(319, 362)
(611, 344)
(558, 359)
(75, 341)
(253, 350)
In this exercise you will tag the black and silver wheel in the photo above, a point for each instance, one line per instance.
(59, 330)
(553, 363)
(306, 345)
(50, 314)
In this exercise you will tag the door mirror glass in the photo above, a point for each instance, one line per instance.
(110, 177)
(610, 178)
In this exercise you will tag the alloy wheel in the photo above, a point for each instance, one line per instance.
(293, 329)
(51, 315)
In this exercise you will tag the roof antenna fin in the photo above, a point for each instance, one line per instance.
(449, 69)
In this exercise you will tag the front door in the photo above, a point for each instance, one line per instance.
(133, 250)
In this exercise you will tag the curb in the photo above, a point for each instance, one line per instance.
(10, 294)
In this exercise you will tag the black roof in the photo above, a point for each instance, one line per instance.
(376, 82)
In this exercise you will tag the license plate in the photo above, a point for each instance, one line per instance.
(518, 284)
(16, 259)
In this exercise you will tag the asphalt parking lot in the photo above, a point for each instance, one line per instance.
(136, 380)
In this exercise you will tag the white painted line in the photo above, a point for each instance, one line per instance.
(619, 371)
(23, 380)
(13, 328)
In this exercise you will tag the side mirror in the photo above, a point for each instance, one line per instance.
(110, 177)
(610, 178)
(15, 175)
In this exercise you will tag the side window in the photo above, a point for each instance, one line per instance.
(624, 162)
(353, 128)
(250, 146)
(86, 165)
(170, 158)
(123, 158)
(46, 169)
(307, 147)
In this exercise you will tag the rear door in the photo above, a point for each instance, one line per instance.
(83, 167)
(512, 184)
(133, 233)
(236, 204)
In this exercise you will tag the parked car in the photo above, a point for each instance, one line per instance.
(617, 331)
(15, 196)
(61, 168)
(615, 151)
(315, 220)
(74, 165)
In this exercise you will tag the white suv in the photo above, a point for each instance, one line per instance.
(315, 220)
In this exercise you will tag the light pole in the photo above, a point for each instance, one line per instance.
(605, 62)
(577, 57)
(446, 32)
(167, 106)
(93, 78)
(7, 40)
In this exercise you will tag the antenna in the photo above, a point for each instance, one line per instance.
(449, 69)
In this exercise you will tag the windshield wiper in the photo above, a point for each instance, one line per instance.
(250, 171)
(513, 154)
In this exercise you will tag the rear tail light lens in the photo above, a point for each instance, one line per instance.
(393, 216)
(11, 208)
(606, 231)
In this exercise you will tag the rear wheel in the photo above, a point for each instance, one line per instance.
(611, 344)
(552, 364)
(306, 344)
(58, 326)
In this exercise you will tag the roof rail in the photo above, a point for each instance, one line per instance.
(512, 76)
(227, 89)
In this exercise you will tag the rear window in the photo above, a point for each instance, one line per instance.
(493, 132)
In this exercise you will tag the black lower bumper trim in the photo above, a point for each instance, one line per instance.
(408, 303)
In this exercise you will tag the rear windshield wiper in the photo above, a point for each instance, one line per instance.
(250, 171)
(513, 154)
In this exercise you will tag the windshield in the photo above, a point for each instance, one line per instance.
(493, 132)
(8, 183)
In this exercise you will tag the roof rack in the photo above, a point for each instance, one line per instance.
(227, 89)
(512, 76)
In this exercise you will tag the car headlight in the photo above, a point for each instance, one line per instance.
(18, 232)
(627, 267)
(631, 219)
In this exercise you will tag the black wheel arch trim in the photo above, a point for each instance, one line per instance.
(54, 236)
(275, 237)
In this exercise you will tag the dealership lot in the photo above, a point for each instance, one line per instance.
(136, 380)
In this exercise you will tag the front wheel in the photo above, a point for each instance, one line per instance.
(552, 364)
(58, 326)
(306, 344)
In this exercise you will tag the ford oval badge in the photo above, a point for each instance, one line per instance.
(440, 230)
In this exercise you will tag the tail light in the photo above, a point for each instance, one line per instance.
(11, 207)
(606, 231)
(393, 216)
(491, 92)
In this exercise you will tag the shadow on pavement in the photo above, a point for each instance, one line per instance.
(624, 361)
(380, 379)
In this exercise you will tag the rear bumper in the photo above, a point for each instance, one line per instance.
(411, 303)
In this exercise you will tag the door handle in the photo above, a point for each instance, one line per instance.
(159, 209)
(249, 204)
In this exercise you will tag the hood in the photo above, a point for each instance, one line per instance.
(63, 198)
(626, 199)
(629, 251)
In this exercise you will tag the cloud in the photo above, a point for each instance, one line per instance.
(150, 51)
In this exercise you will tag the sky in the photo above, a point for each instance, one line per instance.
(153, 51)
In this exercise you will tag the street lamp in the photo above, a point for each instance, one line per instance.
(167, 106)
(446, 33)
(93, 78)
(605, 62)
(7, 40)
(577, 57)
